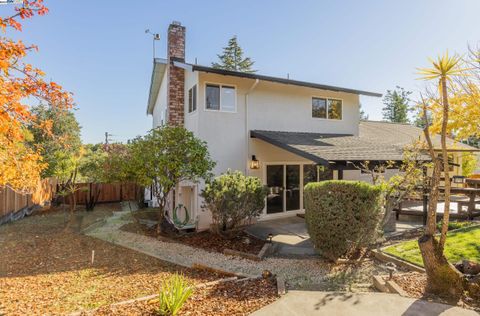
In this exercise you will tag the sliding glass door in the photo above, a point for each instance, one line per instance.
(292, 184)
(284, 187)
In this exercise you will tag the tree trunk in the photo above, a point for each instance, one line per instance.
(446, 173)
(442, 277)
(73, 205)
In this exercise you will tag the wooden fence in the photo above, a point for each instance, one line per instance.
(11, 201)
(109, 192)
(14, 206)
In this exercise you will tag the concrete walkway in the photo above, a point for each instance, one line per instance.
(358, 304)
(292, 239)
(290, 235)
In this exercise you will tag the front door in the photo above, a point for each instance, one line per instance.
(283, 182)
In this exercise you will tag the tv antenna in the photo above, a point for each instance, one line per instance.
(155, 37)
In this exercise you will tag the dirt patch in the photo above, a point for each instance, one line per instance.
(45, 270)
(231, 298)
(414, 284)
(205, 240)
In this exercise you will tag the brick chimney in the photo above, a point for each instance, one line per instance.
(176, 75)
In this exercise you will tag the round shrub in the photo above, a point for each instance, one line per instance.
(341, 216)
(233, 199)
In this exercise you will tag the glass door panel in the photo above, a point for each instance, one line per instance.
(275, 189)
(292, 187)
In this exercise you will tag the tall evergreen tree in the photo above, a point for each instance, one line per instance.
(363, 115)
(397, 105)
(232, 58)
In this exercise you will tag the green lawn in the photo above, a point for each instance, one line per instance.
(461, 244)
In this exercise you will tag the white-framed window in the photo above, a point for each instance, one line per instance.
(220, 97)
(327, 108)
(192, 99)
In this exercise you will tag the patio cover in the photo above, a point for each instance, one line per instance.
(377, 141)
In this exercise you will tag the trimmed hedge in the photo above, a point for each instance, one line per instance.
(341, 216)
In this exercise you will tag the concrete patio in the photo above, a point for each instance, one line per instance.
(291, 237)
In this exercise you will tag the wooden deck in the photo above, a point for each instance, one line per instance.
(415, 208)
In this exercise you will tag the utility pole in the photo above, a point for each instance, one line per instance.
(107, 139)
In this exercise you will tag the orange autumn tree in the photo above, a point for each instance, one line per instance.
(21, 84)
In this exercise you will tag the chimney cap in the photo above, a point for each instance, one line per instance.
(176, 23)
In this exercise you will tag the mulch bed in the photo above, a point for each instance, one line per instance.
(44, 270)
(206, 240)
(414, 283)
(230, 298)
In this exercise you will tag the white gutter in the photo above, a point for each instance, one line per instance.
(247, 131)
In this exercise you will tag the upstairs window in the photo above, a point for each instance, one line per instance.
(327, 108)
(192, 99)
(220, 98)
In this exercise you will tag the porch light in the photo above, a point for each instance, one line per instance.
(458, 179)
(254, 163)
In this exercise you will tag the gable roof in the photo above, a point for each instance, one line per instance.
(377, 141)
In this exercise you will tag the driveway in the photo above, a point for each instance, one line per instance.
(358, 304)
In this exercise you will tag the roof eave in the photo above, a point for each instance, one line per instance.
(316, 159)
(159, 66)
(283, 81)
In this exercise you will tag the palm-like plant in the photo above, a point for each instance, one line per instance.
(444, 69)
(442, 277)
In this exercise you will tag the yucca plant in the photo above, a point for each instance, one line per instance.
(173, 294)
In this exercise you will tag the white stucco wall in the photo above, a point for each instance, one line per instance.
(191, 119)
(279, 107)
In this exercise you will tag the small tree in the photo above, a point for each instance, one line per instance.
(66, 172)
(166, 156)
(397, 105)
(409, 178)
(92, 170)
(63, 135)
(442, 277)
(233, 199)
(232, 58)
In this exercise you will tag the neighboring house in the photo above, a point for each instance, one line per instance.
(285, 132)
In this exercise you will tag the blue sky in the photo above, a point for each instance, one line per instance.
(99, 51)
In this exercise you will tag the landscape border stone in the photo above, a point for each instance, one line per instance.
(265, 251)
(383, 284)
(382, 256)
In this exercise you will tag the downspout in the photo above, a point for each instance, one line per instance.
(247, 131)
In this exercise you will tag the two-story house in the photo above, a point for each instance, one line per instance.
(286, 132)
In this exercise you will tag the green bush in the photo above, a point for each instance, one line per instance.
(233, 199)
(341, 216)
(174, 293)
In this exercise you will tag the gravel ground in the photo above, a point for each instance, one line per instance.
(299, 273)
(47, 271)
